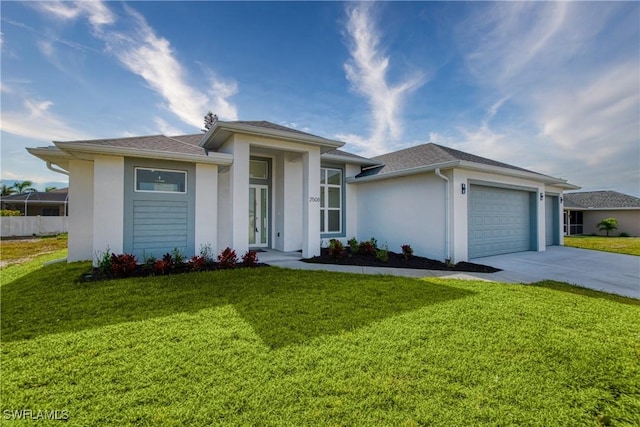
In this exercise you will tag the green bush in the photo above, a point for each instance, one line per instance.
(9, 212)
(624, 234)
(382, 254)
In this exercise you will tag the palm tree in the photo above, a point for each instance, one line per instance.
(24, 187)
(608, 224)
(50, 189)
(8, 190)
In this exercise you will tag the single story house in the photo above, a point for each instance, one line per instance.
(38, 203)
(255, 184)
(584, 210)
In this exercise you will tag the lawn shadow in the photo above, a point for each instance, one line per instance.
(292, 312)
(580, 290)
(283, 306)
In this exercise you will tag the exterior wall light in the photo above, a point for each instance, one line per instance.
(464, 188)
(561, 200)
(541, 197)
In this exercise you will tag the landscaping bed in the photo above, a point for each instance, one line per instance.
(396, 260)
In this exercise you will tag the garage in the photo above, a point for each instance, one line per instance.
(552, 221)
(499, 221)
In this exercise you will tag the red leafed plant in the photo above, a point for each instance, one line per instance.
(367, 247)
(407, 251)
(250, 259)
(197, 263)
(336, 248)
(164, 265)
(227, 258)
(123, 265)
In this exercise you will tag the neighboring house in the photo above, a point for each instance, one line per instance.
(584, 210)
(260, 185)
(38, 203)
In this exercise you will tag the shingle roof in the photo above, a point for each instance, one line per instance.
(425, 155)
(187, 144)
(269, 125)
(348, 155)
(42, 196)
(600, 200)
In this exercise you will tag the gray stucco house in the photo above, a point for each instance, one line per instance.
(584, 210)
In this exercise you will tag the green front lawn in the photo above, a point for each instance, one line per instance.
(269, 346)
(621, 245)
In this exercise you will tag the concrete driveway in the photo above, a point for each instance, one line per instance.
(603, 271)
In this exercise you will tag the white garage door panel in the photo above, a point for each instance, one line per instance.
(499, 221)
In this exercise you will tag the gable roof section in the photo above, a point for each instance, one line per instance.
(600, 200)
(425, 155)
(184, 144)
(221, 131)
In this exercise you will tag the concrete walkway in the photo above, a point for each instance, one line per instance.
(604, 271)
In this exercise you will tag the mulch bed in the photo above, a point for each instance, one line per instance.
(95, 274)
(398, 261)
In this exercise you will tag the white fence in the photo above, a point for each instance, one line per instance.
(18, 226)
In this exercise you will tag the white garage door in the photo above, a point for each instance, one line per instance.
(499, 221)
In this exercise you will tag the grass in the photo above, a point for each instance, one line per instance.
(17, 251)
(621, 245)
(279, 347)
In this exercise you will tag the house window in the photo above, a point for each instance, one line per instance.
(258, 169)
(160, 180)
(330, 200)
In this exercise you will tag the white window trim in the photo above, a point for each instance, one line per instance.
(325, 189)
(266, 168)
(135, 180)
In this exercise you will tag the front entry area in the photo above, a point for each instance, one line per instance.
(258, 216)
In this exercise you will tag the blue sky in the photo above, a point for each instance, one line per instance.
(553, 87)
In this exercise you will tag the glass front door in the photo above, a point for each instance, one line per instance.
(258, 215)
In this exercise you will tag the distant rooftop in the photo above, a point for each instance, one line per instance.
(600, 200)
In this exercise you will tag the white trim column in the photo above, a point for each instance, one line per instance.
(206, 217)
(311, 203)
(240, 197)
(108, 204)
(80, 225)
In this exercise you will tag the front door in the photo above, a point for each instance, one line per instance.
(258, 216)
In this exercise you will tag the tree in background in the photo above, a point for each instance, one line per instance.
(8, 190)
(24, 187)
(50, 189)
(608, 224)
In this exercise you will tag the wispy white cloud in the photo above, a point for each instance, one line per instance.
(37, 121)
(165, 128)
(367, 70)
(95, 11)
(143, 52)
(576, 116)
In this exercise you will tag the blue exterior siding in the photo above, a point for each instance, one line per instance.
(156, 223)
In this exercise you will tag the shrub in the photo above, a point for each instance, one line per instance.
(367, 248)
(123, 265)
(197, 263)
(9, 212)
(407, 251)
(104, 261)
(206, 252)
(336, 248)
(382, 254)
(149, 262)
(353, 245)
(227, 258)
(164, 265)
(608, 224)
(250, 259)
(178, 256)
(624, 234)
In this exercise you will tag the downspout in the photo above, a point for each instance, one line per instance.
(51, 168)
(447, 222)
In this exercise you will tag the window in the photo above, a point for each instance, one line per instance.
(160, 180)
(330, 200)
(258, 169)
(576, 225)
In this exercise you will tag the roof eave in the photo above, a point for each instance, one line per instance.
(52, 155)
(404, 172)
(464, 164)
(350, 160)
(211, 158)
(221, 131)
